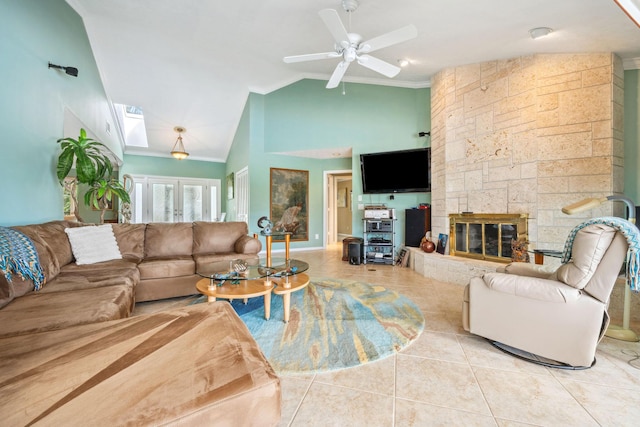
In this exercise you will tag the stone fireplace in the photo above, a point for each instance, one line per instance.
(528, 135)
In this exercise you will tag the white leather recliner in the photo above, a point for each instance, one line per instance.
(561, 316)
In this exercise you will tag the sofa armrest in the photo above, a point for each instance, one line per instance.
(247, 245)
(529, 270)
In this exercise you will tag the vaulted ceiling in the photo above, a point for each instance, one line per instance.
(193, 63)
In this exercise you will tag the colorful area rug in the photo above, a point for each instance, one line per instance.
(334, 324)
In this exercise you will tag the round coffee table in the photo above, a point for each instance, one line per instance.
(244, 279)
(244, 290)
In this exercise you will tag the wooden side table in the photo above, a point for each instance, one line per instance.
(269, 242)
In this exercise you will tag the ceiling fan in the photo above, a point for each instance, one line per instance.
(350, 47)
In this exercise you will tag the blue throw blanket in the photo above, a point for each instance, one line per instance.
(629, 231)
(18, 255)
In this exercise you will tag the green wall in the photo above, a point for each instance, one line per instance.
(632, 134)
(165, 166)
(33, 100)
(238, 157)
(307, 116)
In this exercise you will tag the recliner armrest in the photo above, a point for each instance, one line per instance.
(530, 270)
(531, 287)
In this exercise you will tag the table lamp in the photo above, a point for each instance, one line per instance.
(613, 331)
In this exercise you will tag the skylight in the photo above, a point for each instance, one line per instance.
(131, 119)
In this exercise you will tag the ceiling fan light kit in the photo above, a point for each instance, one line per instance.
(350, 47)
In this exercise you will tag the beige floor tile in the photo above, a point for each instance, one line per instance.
(510, 423)
(610, 406)
(529, 398)
(375, 377)
(439, 383)
(326, 405)
(294, 390)
(410, 414)
(605, 372)
(436, 345)
(481, 353)
(443, 322)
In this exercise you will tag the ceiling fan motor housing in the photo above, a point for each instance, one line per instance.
(350, 5)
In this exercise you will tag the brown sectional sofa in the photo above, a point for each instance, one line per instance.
(159, 260)
(76, 330)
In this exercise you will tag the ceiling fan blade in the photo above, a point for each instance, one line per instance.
(310, 57)
(378, 65)
(334, 25)
(337, 74)
(394, 37)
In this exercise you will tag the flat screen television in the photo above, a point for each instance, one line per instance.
(403, 171)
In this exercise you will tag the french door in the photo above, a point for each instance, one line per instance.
(167, 199)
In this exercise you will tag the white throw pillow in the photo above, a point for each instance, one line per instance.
(91, 244)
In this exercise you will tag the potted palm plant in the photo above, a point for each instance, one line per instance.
(94, 168)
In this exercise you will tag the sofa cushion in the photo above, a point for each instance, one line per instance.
(589, 246)
(37, 312)
(168, 239)
(93, 244)
(108, 273)
(74, 282)
(217, 237)
(46, 257)
(155, 268)
(54, 235)
(130, 238)
(6, 291)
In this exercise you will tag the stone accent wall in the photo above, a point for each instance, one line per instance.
(528, 135)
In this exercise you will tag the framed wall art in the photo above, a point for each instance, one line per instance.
(289, 200)
(343, 194)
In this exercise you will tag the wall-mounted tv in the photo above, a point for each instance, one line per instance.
(404, 171)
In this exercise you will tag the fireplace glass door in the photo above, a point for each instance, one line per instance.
(486, 236)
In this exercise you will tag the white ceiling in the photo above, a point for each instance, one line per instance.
(193, 63)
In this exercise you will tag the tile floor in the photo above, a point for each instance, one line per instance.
(451, 378)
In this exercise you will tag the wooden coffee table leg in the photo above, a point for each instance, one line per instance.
(267, 306)
(211, 299)
(286, 300)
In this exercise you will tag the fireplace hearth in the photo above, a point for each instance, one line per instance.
(486, 236)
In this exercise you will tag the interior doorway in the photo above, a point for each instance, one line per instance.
(338, 206)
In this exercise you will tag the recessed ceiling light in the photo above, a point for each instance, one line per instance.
(536, 33)
(403, 62)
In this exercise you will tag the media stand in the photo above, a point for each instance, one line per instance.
(379, 239)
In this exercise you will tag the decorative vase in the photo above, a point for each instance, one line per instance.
(428, 246)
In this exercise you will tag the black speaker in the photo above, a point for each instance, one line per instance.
(417, 223)
(355, 253)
